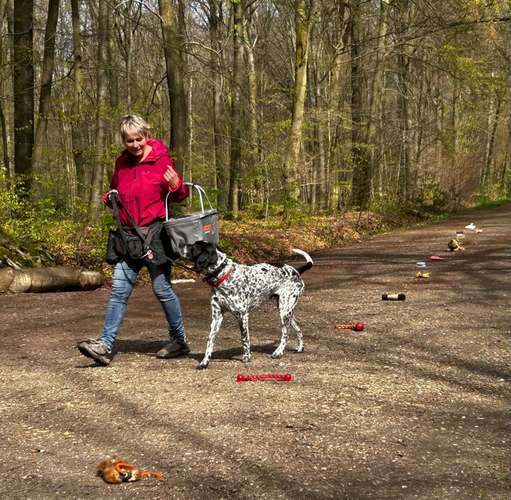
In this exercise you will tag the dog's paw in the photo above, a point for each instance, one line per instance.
(202, 365)
(246, 359)
(277, 355)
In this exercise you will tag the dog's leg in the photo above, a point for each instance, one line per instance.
(245, 338)
(287, 302)
(216, 321)
(299, 336)
(278, 353)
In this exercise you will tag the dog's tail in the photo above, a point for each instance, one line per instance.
(307, 257)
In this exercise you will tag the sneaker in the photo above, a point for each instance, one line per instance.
(173, 349)
(97, 350)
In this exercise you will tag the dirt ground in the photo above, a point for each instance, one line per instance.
(415, 406)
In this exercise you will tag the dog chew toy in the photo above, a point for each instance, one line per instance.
(285, 377)
(393, 296)
(454, 246)
(422, 274)
(436, 257)
(358, 327)
(118, 471)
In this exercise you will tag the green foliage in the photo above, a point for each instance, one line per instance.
(9, 197)
(433, 197)
(48, 232)
(473, 72)
(493, 195)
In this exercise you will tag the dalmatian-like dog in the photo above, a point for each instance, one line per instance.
(239, 288)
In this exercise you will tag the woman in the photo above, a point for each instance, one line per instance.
(144, 174)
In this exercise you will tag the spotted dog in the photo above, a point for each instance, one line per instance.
(239, 288)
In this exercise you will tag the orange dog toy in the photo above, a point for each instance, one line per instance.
(119, 471)
(358, 327)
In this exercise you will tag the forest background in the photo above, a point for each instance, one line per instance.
(313, 119)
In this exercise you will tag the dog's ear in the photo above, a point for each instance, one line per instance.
(203, 255)
(196, 249)
(211, 251)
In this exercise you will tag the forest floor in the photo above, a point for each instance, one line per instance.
(415, 406)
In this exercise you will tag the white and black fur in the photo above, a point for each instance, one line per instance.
(239, 288)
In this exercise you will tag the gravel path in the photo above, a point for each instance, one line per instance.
(415, 406)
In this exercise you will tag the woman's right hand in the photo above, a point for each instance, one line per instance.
(171, 177)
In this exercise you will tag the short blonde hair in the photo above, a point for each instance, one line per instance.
(134, 123)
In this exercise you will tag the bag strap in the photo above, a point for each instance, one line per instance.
(113, 195)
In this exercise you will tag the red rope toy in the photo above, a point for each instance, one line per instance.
(358, 327)
(285, 377)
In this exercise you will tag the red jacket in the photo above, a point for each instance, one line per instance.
(141, 186)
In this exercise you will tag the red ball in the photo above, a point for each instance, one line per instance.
(358, 327)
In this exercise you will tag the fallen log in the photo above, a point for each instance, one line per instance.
(48, 279)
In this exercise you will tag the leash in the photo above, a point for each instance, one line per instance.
(175, 262)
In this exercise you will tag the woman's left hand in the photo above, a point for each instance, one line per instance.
(171, 177)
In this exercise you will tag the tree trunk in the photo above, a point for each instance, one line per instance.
(404, 126)
(173, 49)
(67, 145)
(77, 136)
(252, 133)
(318, 193)
(3, 121)
(337, 176)
(48, 279)
(23, 82)
(302, 30)
(493, 118)
(507, 159)
(221, 177)
(235, 159)
(46, 81)
(360, 157)
(376, 98)
(98, 167)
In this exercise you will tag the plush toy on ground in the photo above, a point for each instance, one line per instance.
(422, 274)
(454, 245)
(119, 471)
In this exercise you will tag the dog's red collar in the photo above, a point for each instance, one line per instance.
(216, 282)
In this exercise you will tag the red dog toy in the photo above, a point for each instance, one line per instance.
(358, 327)
(286, 377)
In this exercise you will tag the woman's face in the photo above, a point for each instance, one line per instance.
(136, 144)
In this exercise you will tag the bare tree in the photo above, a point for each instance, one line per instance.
(174, 58)
(46, 80)
(235, 158)
(23, 83)
(303, 19)
(76, 130)
(98, 169)
(360, 156)
(221, 174)
(3, 121)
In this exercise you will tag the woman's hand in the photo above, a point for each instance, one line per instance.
(171, 177)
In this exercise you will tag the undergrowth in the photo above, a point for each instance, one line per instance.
(39, 234)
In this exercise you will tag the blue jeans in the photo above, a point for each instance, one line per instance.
(123, 280)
